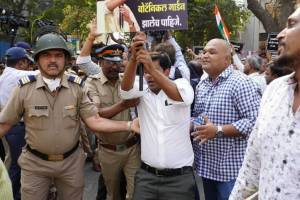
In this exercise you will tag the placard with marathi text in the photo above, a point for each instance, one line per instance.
(142, 15)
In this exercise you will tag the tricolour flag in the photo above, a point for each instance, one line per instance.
(221, 25)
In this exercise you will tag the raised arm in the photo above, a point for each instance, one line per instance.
(168, 86)
(112, 4)
(130, 70)
(84, 60)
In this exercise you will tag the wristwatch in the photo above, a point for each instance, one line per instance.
(220, 132)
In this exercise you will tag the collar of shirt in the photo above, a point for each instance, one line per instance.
(254, 74)
(8, 69)
(224, 75)
(104, 79)
(291, 79)
(40, 82)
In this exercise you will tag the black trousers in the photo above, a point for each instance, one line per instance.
(148, 186)
(2, 151)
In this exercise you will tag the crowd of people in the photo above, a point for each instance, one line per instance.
(151, 121)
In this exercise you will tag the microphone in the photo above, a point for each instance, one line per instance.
(141, 76)
(121, 18)
(141, 70)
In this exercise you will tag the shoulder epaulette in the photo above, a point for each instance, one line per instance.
(95, 76)
(27, 79)
(76, 79)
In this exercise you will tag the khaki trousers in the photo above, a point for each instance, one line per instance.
(113, 163)
(37, 176)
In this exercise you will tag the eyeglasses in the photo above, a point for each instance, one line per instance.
(109, 62)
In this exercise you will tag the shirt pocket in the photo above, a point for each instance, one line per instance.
(106, 101)
(70, 112)
(38, 118)
(171, 114)
(70, 117)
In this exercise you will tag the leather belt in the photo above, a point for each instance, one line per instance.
(121, 147)
(52, 157)
(167, 171)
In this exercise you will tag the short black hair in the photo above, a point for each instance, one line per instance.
(279, 70)
(13, 62)
(167, 48)
(163, 58)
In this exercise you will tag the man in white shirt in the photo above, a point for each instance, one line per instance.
(17, 62)
(252, 67)
(271, 167)
(164, 112)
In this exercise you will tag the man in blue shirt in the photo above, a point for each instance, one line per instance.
(226, 106)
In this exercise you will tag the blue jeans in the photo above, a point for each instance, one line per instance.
(216, 190)
(15, 140)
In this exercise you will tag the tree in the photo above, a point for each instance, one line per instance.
(72, 16)
(29, 9)
(274, 15)
(202, 22)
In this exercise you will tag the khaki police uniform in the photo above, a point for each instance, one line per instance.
(117, 151)
(52, 129)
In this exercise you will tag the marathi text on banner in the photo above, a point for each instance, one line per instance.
(151, 8)
(166, 22)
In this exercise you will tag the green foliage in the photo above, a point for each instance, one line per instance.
(72, 16)
(76, 20)
(28, 8)
(202, 23)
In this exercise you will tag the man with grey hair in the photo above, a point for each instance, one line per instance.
(252, 66)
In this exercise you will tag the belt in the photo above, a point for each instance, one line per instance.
(121, 147)
(166, 172)
(53, 157)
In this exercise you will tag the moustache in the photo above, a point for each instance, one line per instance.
(114, 71)
(53, 65)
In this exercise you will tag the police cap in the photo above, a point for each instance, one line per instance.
(112, 52)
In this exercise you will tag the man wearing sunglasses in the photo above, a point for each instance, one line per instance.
(120, 152)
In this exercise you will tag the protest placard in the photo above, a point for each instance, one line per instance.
(141, 15)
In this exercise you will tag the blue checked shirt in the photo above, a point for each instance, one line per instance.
(234, 99)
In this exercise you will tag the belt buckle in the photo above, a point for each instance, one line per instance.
(58, 157)
(157, 173)
(121, 147)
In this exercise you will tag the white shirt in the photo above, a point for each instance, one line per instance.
(272, 161)
(164, 125)
(260, 80)
(238, 63)
(9, 80)
(180, 62)
(86, 64)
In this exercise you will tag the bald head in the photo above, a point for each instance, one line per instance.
(216, 57)
(221, 44)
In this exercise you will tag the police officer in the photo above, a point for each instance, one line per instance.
(118, 152)
(51, 104)
(17, 65)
